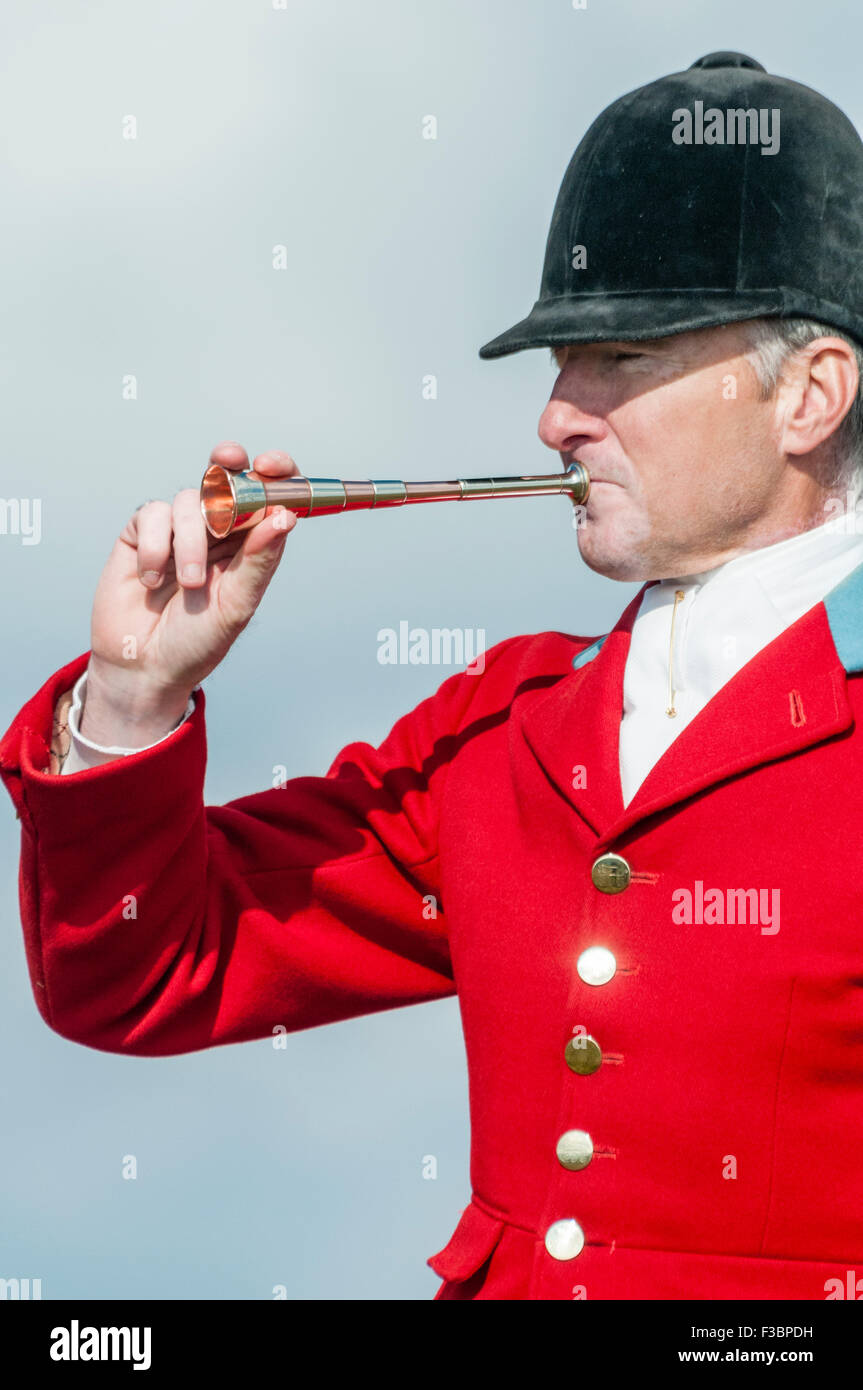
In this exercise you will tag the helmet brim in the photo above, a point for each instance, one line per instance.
(638, 317)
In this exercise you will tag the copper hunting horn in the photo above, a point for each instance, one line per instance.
(232, 501)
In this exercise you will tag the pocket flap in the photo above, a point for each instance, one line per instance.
(469, 1246)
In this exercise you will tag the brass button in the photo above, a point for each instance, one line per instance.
(575, 1149)
(596, 965)
(611, 873)
(583, 1055)
(564, 1240)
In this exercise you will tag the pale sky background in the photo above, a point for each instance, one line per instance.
(299, 126)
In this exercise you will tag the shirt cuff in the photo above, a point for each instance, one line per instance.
(83, 753)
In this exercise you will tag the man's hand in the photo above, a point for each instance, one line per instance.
(170, 603)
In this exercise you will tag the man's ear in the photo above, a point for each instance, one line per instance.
(817, 390)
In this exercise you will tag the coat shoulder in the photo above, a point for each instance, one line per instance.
(530, 662)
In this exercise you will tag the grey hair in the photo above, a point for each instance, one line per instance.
(772, 341)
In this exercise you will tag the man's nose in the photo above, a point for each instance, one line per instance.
(565, 427)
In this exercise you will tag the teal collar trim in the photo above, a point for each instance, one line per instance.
(588, 654)
(844, 606)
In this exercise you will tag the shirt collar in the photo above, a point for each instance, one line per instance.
(795, 573)
(842, 598)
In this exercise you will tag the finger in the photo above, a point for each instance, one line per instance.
(190, 539)
(275, 464)
(227, 545)
(267, 534)
(244, 578)
(153, 524)
(230, 454)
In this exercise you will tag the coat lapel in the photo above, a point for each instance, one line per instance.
(574, 731)
(791, 695)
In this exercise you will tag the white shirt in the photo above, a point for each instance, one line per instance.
(726, 616)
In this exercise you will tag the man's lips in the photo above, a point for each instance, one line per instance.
(602, 482)
(597, 476)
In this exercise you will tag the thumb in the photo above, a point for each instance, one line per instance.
(255, 562)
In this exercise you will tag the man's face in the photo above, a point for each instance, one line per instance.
(682, 452)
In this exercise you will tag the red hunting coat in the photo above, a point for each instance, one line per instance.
(676, 1116)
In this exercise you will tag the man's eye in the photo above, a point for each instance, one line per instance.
(621, 356)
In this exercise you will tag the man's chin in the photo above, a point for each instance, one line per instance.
(614, 557)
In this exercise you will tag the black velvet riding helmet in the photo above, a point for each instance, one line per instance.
(712, 195)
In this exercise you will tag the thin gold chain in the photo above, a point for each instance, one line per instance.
(671, 711)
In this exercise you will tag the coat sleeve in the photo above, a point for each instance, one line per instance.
(155, 925)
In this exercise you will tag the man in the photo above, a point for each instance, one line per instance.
(633, 848)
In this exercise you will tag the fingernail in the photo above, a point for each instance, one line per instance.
(152, 577)
(192, 574)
